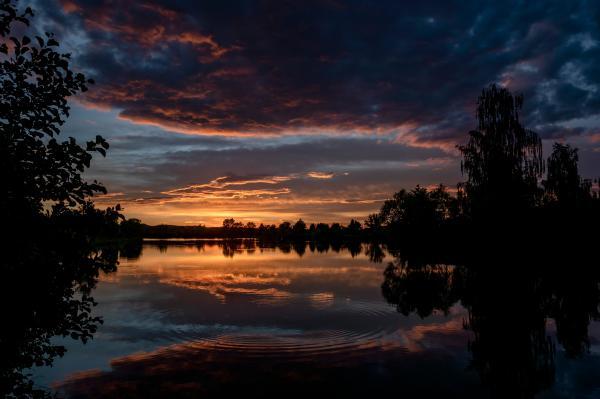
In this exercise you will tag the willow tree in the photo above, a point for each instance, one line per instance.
(502, 159)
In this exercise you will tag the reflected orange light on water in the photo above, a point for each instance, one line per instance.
(263, 273)
(233, 310)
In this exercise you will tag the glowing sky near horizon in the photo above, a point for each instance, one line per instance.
(271, 111)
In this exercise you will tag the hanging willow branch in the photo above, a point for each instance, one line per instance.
(502, 159)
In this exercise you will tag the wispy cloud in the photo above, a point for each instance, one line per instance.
(226, 194)
(320, 175)
(226, 181)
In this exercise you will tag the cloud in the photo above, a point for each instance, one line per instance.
(349, 103)
(226, 181)
(267, 69)
(320, 175)
(166, 180)
(228, 194)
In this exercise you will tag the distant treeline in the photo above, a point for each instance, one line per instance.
(282, 232)
(421, 212)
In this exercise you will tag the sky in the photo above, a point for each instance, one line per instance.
(267, 111)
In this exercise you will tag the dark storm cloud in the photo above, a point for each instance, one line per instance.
(273, 67)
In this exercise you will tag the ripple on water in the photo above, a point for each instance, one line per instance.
(339, 325)
(376, 326)
(307, 344)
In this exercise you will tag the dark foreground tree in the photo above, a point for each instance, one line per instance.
(51, 258)
(36, 82)
(502, 160)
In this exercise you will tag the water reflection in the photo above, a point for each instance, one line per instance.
(196, 317)
(513, 299)
(46, 292)
(231, 247)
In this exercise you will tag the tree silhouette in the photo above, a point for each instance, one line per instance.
(563, 184)
(418, 210)
(502, 159)
(51, 259)
(36, 83)
(354, 227)
(299, 228)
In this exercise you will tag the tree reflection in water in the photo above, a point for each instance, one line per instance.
(510, 294)
(45, 291)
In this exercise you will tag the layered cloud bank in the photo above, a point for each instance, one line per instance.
(349, 84)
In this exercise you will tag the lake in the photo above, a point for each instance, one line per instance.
(201, 318)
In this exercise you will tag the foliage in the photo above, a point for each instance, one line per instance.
(563, 185)
(509, 292)
(36, 83)
(52, 256)
(299, 228)
(46, 291)
(232, 224)
(131, 228)
(354, 227)
(503, 162)
(418, 209)
(502, 159)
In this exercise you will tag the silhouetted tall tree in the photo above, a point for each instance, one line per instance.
(502, 159)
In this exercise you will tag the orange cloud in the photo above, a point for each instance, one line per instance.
(412, 138)
(226, 194)
(226, 181)
(166, 27)
(217, 189)
(320, 175)
(70, 6)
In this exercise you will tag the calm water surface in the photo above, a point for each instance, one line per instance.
(203, 318)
